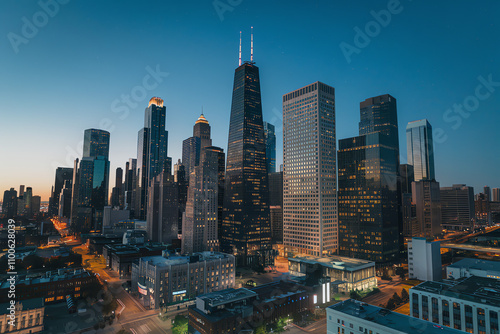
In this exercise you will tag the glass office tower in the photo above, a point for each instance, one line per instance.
(420, 149)
(270, 138)
(246, 230)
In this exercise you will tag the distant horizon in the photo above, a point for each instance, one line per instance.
(96, 65)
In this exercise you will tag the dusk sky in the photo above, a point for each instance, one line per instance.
(75, 69)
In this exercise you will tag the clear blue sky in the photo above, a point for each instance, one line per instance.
(65, 77)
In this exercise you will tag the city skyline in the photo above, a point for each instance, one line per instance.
(62, 108)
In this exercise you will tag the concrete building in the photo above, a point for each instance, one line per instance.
(241, 310)
(346, 274)
(473, 267)
(120, 257)
(496, 194)
(310, 175)
(113, 216)
(470, 304)
(424, 259)
(29, 316)
(427, 200)
(161, 280)
(351, 316)
(457, 207)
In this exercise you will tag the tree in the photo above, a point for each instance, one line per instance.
(396, 298)
(354, 295)
(404, 295)
(180, 325)
(280, 325)
(390, 304)
(261, 330)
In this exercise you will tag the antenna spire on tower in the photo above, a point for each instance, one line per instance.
(251, 44)
(239, 64)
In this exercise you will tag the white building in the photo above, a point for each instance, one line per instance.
(424, 259)
(354, 317)
(309, 176)
(473, 267)
(469, 304)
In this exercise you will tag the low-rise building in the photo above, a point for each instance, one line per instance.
(52, 286)
(346, 274)
(236, 310)
(351, 316)
(424, 259)
(473, 267)
(119, 257)
(163, 280)
(469, 304)
(28, 316)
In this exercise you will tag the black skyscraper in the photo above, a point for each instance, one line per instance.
(369, 202)
(246, 228)
(9, 204)
(151, 152)
(62, 174)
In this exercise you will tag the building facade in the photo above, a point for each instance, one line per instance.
(161, 280)
(424, 259)
(351, 316)
(29, 315)
(152, 146)
(309, 171)
(270, 140)
(426, 197)
(473, 267)
(420, 149)
(471, 305)
(246, 228)
(457, 207)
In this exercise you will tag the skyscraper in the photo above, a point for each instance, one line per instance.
(130, 185)
(9, 204)
(95, 143)
(309, 177)
(426, 197)
(62, 174)
(496, 194)
(163, 206)
(369, 197)
(276, 206)
(270, 139)
(91, 182)
(116, 192)
(420, 149)
(457, 207)
(65, 199)
(151, 152)
(200, 221)
(192, 148)
(487, 192)
(246, 230)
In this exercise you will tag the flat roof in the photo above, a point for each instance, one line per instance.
(477, 264)
(161, 261)
(28, 304)
(335, 262)
(482, 290)
(226, 296)
(384, 317)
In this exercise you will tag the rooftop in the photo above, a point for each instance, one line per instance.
(226, 296)
(161, 261)
(50, 276)
(477, 264)
(336, 262)
(384, 317)
(27, 304)
(480, 290)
